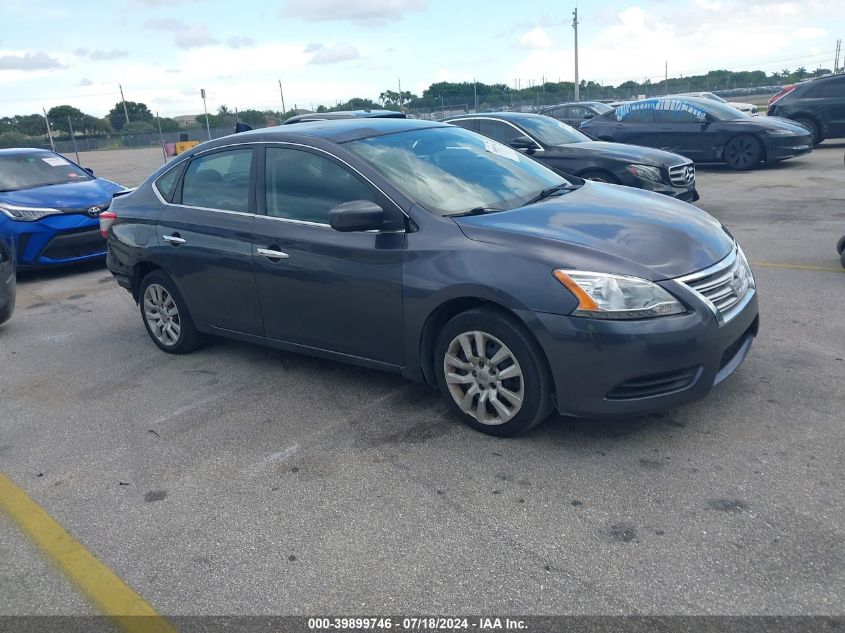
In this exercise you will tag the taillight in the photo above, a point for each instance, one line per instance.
(107, 218)
(783, 92)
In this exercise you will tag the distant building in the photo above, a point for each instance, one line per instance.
(187, 120)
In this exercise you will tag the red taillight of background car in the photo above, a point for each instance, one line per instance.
(107, 218)
(783, 92)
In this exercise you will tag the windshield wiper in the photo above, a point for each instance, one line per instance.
(545, 193)
(476, 211)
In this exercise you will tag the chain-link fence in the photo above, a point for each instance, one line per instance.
(147, 139)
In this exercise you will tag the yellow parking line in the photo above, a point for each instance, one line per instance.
(824, 269)
(113, 596)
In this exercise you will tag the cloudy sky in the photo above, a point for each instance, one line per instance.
(324, 51)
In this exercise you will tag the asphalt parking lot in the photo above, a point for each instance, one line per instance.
(243, 480)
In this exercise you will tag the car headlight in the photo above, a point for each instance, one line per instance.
(645, 172)
(779, 132)
(26, 214)
(604, 296)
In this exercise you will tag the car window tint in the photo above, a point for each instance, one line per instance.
(219, 181)
(467, 124)
(576, 112)
(643, 115)
(305, 186)
(166, 184)
(498, 131)
(675, 116)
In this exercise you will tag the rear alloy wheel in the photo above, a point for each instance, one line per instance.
(492, 373)
(166, 316)
(814, 129)
(743, 152)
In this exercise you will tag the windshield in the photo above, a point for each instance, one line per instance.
(37, 169)
(722, 111)
(450, 170)
(550, 131)
(601, 108)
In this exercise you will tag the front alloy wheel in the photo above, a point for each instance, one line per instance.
(484, 377)
(492, 373)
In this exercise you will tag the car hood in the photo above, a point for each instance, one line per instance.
(772, 123)
(624, 230)
(70, 197)
(621, 152)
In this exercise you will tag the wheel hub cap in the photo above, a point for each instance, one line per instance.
(484, 377)
(162, 315)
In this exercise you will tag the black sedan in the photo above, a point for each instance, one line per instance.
(7, 277)
(575, 114)
(703, 130)
(567, 150)
(426, 250)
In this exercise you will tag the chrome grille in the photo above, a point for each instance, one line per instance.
(682, 175)
(724, 285)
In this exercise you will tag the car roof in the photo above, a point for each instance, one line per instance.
(337, 131)
(571, 103)
(504, 116)
(20, 150)
(345, 114)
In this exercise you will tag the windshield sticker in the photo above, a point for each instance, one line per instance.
(670, 105)
(55, 161)
(501, 150)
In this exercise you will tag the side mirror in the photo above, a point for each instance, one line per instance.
(357, 215)
(89, 170)
(524, 143)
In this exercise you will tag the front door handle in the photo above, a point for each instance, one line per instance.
(271, 253)
(175, 240)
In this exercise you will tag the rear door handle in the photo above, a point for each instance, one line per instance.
(173, 239)
(270, 253)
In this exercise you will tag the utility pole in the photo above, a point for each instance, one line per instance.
(161, 139)
(475, 93)
(122, 98)
(666, 81)
(836, 62)
(205, 109)
(399, 79)
(575, 27)
(49, 133)
(73, 136)
(282, 94)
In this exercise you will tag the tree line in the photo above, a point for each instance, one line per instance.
(19, 130)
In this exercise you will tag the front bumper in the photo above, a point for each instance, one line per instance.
(687, 193)
(781, 148)
(63, 239)
(605, 368)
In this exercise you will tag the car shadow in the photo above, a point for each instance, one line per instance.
(27, 276)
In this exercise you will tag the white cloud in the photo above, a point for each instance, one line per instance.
(194, 37)
(535, 39)
(338, 52)
(366, 12)
(107, 55)
(239, 41)
(166, 24)
(29, 61)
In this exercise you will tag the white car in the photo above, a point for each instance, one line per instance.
(748, 108)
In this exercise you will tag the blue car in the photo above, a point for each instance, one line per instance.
(50, 207)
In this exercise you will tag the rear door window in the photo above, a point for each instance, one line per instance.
(219, 181)
(499, 131)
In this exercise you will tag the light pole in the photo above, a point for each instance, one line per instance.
(575, 27)
(49, 133)
(205, 109)
(123, 99)
(282, 94)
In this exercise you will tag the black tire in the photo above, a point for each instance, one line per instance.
(534, 382)
(743, 152)
(842, 258)
(188, 338)
(813, 127)
(596, 175)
